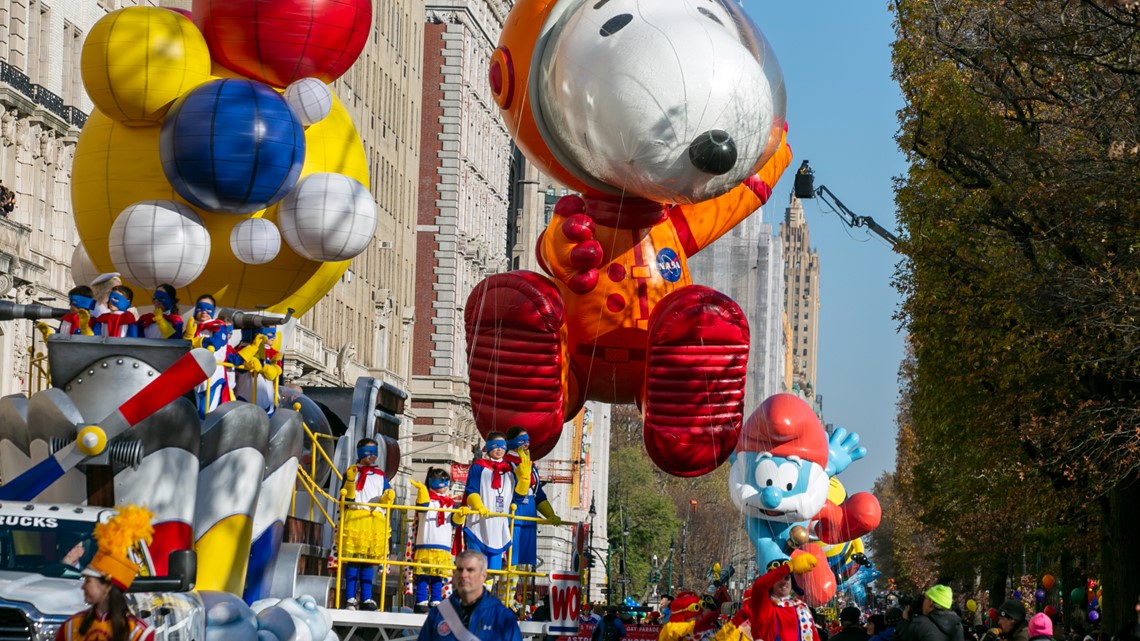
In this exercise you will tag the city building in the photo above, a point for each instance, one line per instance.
(801, 298)
(746, 264)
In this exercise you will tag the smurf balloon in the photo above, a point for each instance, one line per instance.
(781, 479)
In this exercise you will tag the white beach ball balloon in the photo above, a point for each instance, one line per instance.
(310, 99)
(255, 241)
(83, 271)
(327, 217)
(159, 241)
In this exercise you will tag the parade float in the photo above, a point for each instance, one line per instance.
(218, 161)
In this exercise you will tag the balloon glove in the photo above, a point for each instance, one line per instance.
(802, 563)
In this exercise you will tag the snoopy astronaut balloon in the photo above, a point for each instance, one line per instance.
(667, 116)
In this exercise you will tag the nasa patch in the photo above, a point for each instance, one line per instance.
(669, 265)
(443, 629)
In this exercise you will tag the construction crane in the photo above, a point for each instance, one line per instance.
(805, 188)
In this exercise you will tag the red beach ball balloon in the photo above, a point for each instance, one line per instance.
(279, 41)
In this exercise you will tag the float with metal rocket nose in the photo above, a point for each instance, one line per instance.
(668, 119)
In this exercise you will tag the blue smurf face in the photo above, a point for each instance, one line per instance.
(777, 488)
(777, 477)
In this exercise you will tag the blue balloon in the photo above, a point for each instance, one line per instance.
(1039, 595)
(232, 146)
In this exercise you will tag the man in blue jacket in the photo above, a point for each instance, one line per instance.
(470, 613)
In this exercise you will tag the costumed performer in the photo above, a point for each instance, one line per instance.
(78, 318)
(118, 321)
(367, 495)
(260, 369)
(435, 532)
(524, 539)
(206, 330)
(164, 321)
(776, 612)
(491, 487)
(105, 580)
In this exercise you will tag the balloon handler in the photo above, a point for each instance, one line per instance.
(107, 577)
(367, 494)
(492, 485)
(435, 531)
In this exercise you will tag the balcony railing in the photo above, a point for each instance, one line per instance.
(39, 95)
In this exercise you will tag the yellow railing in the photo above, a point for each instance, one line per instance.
(511, 573)
(307, 481)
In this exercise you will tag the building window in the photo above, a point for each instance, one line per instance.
(39, 41)
(72, 87)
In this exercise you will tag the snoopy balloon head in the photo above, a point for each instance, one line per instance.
(591, 100)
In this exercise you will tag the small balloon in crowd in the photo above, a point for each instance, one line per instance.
(1094, 615)
(992, 614)
(1077, 595)
(1039, 594)
(1017, 594)
(1047, 581)
(971, 605)
(1049, 611)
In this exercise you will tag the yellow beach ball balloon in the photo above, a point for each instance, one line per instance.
(117, 165)
(136, 61)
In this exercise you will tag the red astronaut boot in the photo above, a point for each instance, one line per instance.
(515, 356)
(697, 355)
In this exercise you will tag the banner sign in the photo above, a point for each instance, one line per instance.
(565, 603)
(632, 632)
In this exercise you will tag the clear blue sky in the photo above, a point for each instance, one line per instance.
(842, 106)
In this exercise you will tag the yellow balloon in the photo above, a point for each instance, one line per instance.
(971, 605)
(836, 493)
(116, 166)
(137, 60)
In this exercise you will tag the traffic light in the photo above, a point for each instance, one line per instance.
(590, 559)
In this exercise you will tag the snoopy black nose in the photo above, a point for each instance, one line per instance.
(713, 152)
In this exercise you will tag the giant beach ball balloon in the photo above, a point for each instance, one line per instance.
(310, 99)
(255, 241)
(136, 61)
(279, 41)
(83, 271)
(159, 241)
(232, 146)
(328, 217)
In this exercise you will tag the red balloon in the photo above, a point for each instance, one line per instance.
(819, 584)
(1050, 611)
(991, 614)
(1047, 581)
(279, 41)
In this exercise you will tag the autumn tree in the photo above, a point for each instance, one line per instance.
(1021, 275)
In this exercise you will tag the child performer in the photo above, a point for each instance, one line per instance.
(365, 526)
(260, 352)
(491, 486)
(164, 321)
(204, 330)
(118, 322)
(78, 320)
(434, 535)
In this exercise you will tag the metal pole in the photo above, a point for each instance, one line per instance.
(672, 549)
(624, 560)
(684, 537)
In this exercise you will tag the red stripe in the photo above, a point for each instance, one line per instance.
(684, 234)
(639, 260)
(762, 190)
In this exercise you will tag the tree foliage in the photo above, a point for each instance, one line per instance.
(1022, 273)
